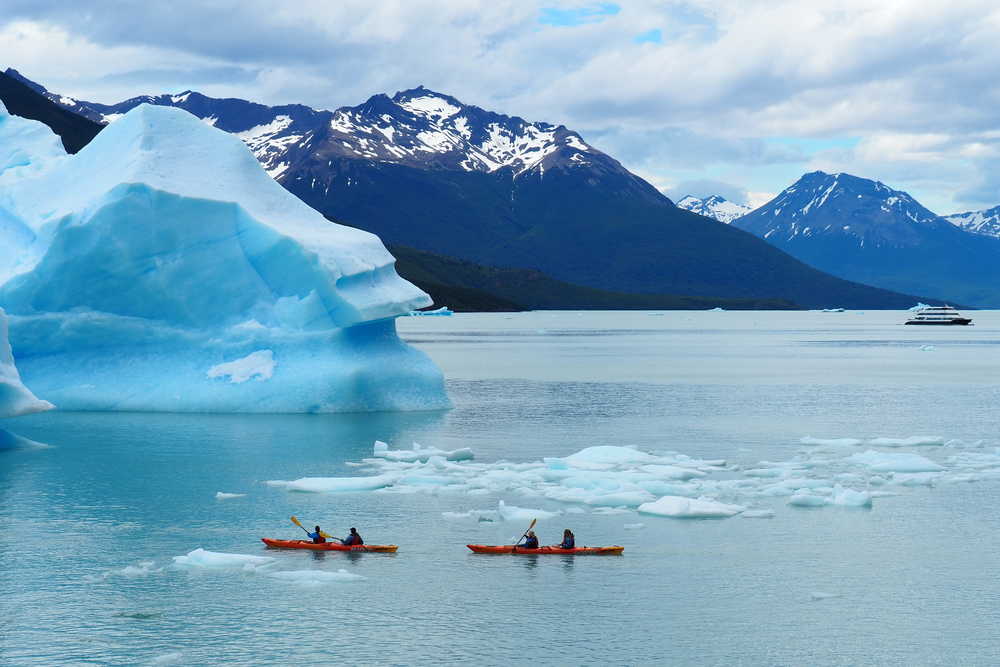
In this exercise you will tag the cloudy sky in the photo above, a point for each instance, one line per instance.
(735, 97)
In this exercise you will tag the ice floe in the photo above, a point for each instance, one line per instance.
(217, 560)
(605, 479)
(678, 507)
(895, 462)
(222, 495)
(418, 453)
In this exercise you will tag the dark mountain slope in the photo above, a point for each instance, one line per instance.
(22, 100)
(423, 169)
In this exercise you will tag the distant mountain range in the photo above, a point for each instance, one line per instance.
(715, 207)
(863, 230)
(424, 170)
(985, 222)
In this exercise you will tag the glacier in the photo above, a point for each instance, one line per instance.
(161, 269)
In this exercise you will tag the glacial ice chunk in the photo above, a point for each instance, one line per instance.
(895, 462)
(912, 441)
(130, 272)
(607, 455)
(806, 499)
(512, 513)
(335, 484)
(850, 498)
(217, 560)
(678, 507)
(222, 495)
(418, 453)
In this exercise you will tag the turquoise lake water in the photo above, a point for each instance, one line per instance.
(89, 526)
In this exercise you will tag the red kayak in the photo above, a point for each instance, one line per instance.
(327, 546)
(579, 551)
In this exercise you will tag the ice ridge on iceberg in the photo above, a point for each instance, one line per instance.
(15, 398)
(160, 268)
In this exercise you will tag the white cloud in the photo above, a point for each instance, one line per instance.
(914, 80)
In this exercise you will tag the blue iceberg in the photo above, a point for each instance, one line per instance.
(161, 269)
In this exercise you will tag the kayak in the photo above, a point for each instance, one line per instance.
(579, 551)
(327, 546)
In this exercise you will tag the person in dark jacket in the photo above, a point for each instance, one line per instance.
(317, 536)
(569, 540)
(353, 540)
(530, 541)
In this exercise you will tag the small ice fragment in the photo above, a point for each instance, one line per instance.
(174, 658)
(335, 484)
(217, 560)
(895, 462)
(142, 569)
(678, 507)
(634, 526)
(608, 454)
(758, 514)
(222, 495)
(913, 441)
(807, 500)
(819, 595)
(851, 498)
(512, 513)
(835, 442)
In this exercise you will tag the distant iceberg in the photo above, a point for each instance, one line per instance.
(442, 311)
(162, 269)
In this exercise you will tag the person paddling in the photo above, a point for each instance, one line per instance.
(317, 536)
(353, 540)
(530, 541)
(569, 540)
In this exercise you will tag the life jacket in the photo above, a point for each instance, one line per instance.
(530, 543)
(317, 538)
(568, 543)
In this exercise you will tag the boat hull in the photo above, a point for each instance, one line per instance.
(947, 323)
(521, 551)
(327, 546)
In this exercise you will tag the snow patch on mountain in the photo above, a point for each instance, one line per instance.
(986, 223)
(715, 207)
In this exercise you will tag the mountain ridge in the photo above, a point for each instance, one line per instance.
(423, 170)
(863, 230)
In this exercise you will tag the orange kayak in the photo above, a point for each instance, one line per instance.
(579, 551)
(327, 546)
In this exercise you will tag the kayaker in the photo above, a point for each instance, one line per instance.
(569, 540)
(317, 537)
(353, 540)
(530, 541)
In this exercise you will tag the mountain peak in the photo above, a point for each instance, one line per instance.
(716, 207)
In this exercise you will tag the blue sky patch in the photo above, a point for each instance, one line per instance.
(654, 36)
(578, 15)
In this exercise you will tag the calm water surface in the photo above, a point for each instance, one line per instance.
(911, 581)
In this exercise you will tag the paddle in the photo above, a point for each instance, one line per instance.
(533, 522)
(329, 537)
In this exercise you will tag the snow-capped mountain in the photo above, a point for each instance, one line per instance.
(416, 127)
(422, 169)
(985, 222)
(714, 206)
(864, 230)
